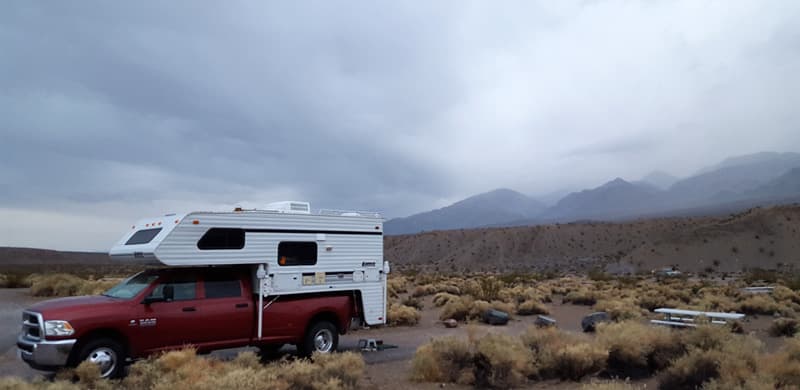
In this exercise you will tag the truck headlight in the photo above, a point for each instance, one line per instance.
(58, 328)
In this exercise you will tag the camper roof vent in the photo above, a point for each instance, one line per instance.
(290, 207)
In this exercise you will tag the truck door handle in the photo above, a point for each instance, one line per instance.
(190, 308)
(241, 305)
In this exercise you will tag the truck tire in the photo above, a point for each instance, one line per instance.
(106, 353)
(322, 337)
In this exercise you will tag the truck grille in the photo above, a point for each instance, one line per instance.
(32, 325)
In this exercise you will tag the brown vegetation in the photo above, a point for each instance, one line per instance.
(185, 370)
(62, 285)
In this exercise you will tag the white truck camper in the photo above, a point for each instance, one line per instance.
(291, 250)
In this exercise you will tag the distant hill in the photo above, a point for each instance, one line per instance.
(617, 197)
(33, 256)
(735, 184)
(733, 176)
(759, 237)
(496, 206)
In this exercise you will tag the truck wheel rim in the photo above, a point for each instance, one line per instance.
(105, 358)
(323, 340)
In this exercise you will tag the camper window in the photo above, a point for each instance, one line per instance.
(222, 238)
(143, 236)
(297, 253)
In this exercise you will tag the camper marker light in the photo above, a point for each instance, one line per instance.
(195, 222)
(58, 328)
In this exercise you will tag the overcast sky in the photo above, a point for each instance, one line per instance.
(112, 111)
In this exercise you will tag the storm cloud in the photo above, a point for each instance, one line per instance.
(112, 111)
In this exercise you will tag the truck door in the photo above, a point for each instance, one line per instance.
(227, 312)
(171, 323)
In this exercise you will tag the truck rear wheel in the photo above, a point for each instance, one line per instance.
(322, 337)
(106, 353)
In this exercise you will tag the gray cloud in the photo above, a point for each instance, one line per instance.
(114, 110)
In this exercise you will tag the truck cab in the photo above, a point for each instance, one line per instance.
(162, 309)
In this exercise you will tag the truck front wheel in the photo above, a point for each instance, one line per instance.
(106, 353)
(322, 337)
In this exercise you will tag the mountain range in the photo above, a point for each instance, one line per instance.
(734, 184)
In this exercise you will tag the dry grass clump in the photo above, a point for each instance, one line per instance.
(636, 349)
(413, 302)
(457, 309)
(185, 370)
(466, 308)
(784, 366)
(581, 297)
(759, 304)
(492, 361)
(402, 315)
(396, 285)
(532, 307)
(446, 359)
(716, 358)
(421, 291)
(784, 327)
(557, 354)
(612, 385)
(442, 298)
(62, 285)
(501, 362)
(692, 370)
(619, 309)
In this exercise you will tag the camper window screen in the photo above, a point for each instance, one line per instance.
(297, 253)
(143, 236)
(222, 238)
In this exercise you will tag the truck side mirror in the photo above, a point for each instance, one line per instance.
(169, 292)
(167, 295)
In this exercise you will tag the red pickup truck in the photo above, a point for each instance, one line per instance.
(161, 309)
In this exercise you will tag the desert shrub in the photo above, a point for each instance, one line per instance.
(447, 288)
(56, 285)
(440, 299)
(786, 327)
(619, 309)
(759, 304)
(489, 290)
(501, 362)
(423, 290)
(62, 285)
(760, 275)
(457, 309)
(557, 354)
(782, 293)
(15, 280)
(691, 370)
(716, 358)
(413, 302)
(706, 337)
(531, 307)
(636, 349)
(784, 366)
(402, 315)
(446, 359)
(580, 297)
(396, 285)
(578, 360)
(185, 370)
(613, 385)
(478, 308)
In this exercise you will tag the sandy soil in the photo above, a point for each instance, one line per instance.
(761, 237)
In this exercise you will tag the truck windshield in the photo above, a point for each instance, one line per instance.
(132, 286)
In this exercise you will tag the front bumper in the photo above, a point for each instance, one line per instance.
(44, 354)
